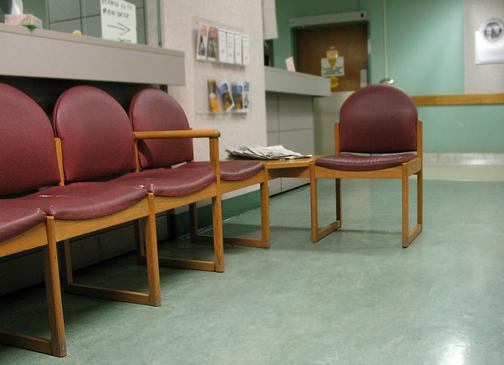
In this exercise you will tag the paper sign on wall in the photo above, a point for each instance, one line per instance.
(118, 21)
(337, 70)
(489, 41)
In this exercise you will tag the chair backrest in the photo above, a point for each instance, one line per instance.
(155, 110)
(27, 150)
(96, 136)
(378, 119)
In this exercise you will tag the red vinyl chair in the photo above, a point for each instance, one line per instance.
(95, 130)
(28, 163)
(155, 110)
(379, 136)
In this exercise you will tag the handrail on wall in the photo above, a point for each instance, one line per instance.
(463, 99)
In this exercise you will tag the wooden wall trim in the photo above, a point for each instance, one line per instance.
(469, 99)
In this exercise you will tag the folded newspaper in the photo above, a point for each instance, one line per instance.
(278, 152)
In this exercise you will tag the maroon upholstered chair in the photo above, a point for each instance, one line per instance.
(29, 162)
(378, 136)
(94, 145)
(155, 110)
(95, 130)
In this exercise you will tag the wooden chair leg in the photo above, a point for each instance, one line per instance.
(67, 268)
(193, 222)
(314, 206)
(140, 240)
(338, 201)
(316, 233)
(265, 220)
(151, 255)
(405, 207)
(407, 235)
(53, 292)
(420, 198)
(218, 233)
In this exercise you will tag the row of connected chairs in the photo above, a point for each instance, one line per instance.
(97, 167)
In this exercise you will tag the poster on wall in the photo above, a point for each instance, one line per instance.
(490, 42)
(328, 70)
(118, 21)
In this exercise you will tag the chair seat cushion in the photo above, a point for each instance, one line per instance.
(231, 170)
(172, 182)
(350, 162)
(87, 200)
(16, 218)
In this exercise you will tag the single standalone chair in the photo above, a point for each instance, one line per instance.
(155, 110)
(379, 136)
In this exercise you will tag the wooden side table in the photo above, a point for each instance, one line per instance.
(299, 167)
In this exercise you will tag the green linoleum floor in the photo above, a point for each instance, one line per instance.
(356, 297)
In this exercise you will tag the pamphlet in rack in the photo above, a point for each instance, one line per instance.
(213, 48)
(202, 42)
(213, 101)
(225, 95)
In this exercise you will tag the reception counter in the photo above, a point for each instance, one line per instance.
(290, 114)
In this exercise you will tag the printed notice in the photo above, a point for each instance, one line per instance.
(222, 46)
(118, 21)
(238, 49)
(230, 47)
(246, 49)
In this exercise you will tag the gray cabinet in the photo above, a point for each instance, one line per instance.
(290, 115)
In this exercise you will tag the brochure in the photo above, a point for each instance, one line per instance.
(238, 48)
(230, 47)
(225, 95)
(222, 46)
(246, 96)
(213, 35)
(202, 42)
(246, 49)
(213, 101)
(237, 89)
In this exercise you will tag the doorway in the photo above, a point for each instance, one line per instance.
(351, 43)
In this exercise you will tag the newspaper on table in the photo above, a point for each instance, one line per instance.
(278, 152)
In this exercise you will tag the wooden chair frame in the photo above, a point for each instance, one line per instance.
(212, 191)
(41, 236)
(64, 230)
(229, 186)
(403, 172)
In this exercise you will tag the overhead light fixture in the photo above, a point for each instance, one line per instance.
(386, 80)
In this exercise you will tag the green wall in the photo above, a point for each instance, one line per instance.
(426, 57)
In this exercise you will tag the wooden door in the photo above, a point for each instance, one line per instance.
(349, 40)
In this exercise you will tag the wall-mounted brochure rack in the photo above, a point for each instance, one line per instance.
(221, 43)
(222, 53)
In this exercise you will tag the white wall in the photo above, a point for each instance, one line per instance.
(481, 78)
(179, 34)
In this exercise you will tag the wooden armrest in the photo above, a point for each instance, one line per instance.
(201, 133)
